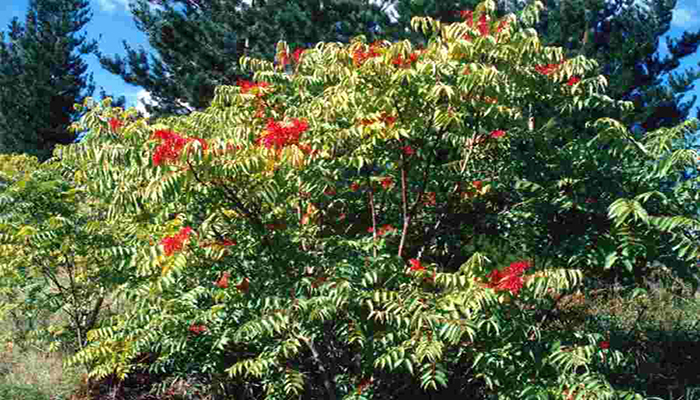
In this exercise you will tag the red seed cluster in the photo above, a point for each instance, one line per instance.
(171, 146)
(222, 283)
(382, 229)
(297, 54)
(548, 69)
(408, 62)
(172, 244)
(198, 329)
(384, 117)
(247, 86)
(279, 136)
(115, 124)
(387, 182)
(573, 80)
(497, 134)
(360, 56)
(509, 278)
(483, 25)
(416, 265)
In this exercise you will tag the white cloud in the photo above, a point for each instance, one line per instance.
(186, 105)
(106, 5)
(146, 97)
(109, 6)
(684, 17)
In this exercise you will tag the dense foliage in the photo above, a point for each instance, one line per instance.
(58, 254)
(198, 45)
(357, 221)
(621, 35)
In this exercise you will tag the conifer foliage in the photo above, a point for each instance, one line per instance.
(42, 75)
(199, 42)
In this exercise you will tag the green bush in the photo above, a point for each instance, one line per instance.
(360, 223)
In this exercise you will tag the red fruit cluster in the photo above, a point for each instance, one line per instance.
(382, 229)
(222, 283)
(172, 244)
(115, 124)
(297, 54)
(400, 62)
(387, 182)
(360, 56)
(551, 68)
(483, 24)
(279, 136)
(547, 69)
(197, 329)
(573, 80)
(497, 134)
(247, 86)
(384, 117)
(509, 278)
(416, 265)
(171, 145)
(408, 151)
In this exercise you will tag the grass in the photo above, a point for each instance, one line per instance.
(31, 374)
(27, 371)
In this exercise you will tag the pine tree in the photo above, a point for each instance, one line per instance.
(42, 75)
(200, 43)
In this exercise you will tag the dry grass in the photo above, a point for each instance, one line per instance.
(33, 374)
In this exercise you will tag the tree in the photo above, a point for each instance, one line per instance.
(42, 75)
(58, 255)
(199, 46)
(621, 36)
(273, 270)
(623, 39)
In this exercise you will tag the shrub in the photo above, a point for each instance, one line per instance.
(258, 252)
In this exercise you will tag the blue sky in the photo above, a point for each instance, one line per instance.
(113, 21)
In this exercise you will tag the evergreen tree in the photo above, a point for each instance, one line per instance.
(42, 75)
(200, 43)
